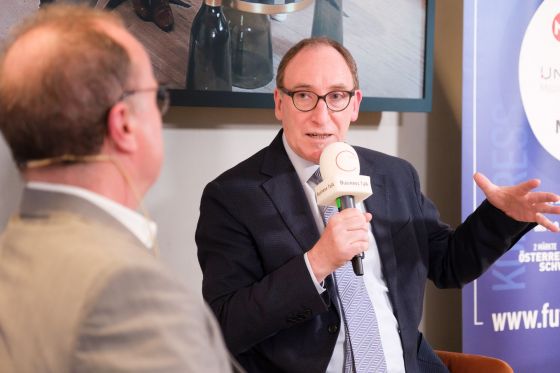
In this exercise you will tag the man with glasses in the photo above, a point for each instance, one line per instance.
(80, 290)
(276, 276)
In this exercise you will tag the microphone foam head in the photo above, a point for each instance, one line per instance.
(339, 158)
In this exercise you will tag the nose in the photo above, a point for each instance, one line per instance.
(321, 112)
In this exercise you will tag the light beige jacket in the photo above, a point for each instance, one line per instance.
(79, 293)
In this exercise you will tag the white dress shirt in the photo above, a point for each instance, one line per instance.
(373, 277)
(144, 229)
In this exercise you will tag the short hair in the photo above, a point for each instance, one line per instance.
(313, 42)
(61, 105)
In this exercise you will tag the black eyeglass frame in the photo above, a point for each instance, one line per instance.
(323, 97)
(162, 96)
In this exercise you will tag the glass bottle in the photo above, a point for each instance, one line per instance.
(327, 19)
(209, 50)
(251, 48)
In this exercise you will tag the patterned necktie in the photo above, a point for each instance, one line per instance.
(362, 348)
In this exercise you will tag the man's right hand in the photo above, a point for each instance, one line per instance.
(345, 236)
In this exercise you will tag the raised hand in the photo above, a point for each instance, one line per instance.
(519, 202)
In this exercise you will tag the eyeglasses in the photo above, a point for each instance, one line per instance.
(307, 100)
(162, 96)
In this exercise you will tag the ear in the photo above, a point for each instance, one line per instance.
(357, 99)
(278, 104)
(121, 128)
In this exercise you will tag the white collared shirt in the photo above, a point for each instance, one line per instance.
(144, 229)
(373, 277)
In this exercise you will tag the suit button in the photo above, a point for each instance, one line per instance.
(332, 329)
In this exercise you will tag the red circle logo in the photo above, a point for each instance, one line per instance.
(556, 27)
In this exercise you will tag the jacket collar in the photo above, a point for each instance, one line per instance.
(41, 204)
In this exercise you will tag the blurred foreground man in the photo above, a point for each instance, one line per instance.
(80, 290)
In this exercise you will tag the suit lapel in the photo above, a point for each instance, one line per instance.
(287, 194)
(377, 204)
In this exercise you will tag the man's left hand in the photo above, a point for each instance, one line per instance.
(519, 202)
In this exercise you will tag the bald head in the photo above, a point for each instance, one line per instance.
(59, 75)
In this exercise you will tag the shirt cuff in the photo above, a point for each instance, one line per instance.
(319, 286)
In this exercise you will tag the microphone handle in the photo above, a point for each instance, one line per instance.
(346, 202)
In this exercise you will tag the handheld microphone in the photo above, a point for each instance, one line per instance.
(342, 184)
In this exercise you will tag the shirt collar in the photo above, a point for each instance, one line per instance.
(143, 228)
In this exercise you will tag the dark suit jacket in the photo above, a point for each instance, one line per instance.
(255, 225)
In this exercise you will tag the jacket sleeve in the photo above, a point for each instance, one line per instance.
(139, 319)
(458, 256)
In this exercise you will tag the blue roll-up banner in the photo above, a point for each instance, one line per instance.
(511, 132)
